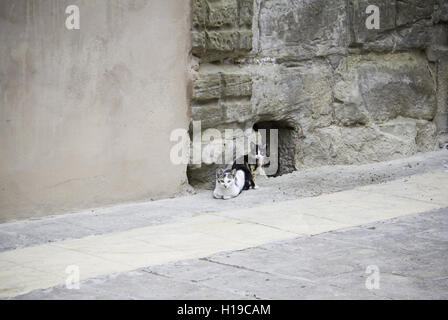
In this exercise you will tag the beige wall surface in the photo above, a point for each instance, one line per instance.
(86, 115)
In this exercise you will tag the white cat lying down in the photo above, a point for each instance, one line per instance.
(229, 183)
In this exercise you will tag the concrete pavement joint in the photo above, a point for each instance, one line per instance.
(403, 197)
(196, 282)
(319, 217)
(258, 271)
(257, 223)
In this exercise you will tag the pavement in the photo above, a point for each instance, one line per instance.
(371, 241)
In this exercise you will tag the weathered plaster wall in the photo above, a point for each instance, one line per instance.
(86, 115)
(350, 95)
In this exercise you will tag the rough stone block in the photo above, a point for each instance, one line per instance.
(441, 11)
(237, 85)
(438, 49)
(199, 46)
(435, 53)
(222, 13)
(387, 86)
(339, 145)
(218, 45)
(207, 87)
(350, 114)
(237, 111)
(209, 114)
(200, 8)
(221, 114)
(222, 28)
(426, 138)
(301, 94)
(220, 85)
(404, 25)
(221, 98)
(409, 11)
(246, 12)
(229, 41)
(302, 29)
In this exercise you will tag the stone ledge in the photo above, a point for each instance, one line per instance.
(219, 85)
(218, 45)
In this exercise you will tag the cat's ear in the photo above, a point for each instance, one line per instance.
(233, 172)
(218, 172)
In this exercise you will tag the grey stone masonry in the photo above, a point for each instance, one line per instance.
(346, 93)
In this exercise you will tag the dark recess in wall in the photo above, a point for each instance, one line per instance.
(287, 144)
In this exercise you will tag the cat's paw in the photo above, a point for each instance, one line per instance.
(256, 187)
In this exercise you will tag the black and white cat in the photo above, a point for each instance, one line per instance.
(241, 176)
(229, 183)
(252, 164)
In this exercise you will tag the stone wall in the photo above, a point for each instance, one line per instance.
(348, 95)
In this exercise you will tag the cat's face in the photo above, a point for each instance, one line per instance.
(225, 178)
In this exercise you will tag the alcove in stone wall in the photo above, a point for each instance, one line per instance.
(287, 144)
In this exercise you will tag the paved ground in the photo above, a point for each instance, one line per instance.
(411, 254)
(294, 238)
(308, 183)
